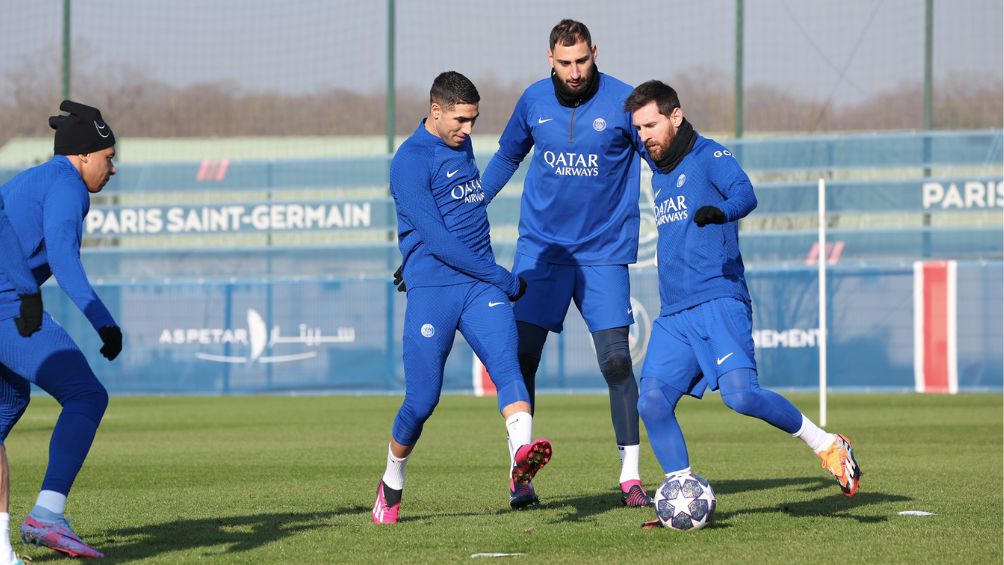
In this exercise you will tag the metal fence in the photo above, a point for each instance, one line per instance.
(246, 242)
(319, 68)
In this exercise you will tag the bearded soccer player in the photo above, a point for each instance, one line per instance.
(578, 226)
(453, 283)
(46, 206)
(703, 337)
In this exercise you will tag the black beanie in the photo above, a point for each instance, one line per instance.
(83, 131)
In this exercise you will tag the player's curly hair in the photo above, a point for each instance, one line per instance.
(452, 88)
(665, 97)
(569, 32)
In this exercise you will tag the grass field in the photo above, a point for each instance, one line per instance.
(264, 479)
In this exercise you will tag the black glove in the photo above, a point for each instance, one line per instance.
(30, 320)
(522, 290)
(399, 279)
(112, 338)
(709, 215)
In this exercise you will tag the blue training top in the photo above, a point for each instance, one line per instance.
(442, 220)
(13, 266)
(700, 264)
(46, 205)
(580, 196)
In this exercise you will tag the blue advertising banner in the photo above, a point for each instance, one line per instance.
(345, 334)
(253, 276)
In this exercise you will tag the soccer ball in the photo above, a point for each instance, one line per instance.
(685, 501)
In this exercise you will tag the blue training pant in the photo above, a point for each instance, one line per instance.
(483, 315)
(51, 360)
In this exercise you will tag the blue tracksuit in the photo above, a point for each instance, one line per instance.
(703, 336)
(46, 206)
(580, 196)
(442, 219)
(699, 264)
(697, 267)
(453, 280)
(578, 223)
(53, 191)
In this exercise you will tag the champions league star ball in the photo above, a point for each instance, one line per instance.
(685, 501)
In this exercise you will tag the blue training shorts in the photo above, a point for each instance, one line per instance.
(602, 293)
(691, 349)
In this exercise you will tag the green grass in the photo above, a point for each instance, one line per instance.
(264, 479)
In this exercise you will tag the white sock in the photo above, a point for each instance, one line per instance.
(52, 501)
(814, 436)
(520, 428)
(682, 471)
(393, 477)
(629, 462)
(7, 555)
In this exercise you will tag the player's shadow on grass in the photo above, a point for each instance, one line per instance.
(589, 505)
(805, 484)
(832, 504)
(234, 534)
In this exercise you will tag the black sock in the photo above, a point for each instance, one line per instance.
(392, 496)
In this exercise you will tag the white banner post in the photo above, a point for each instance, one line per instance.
(822, 258)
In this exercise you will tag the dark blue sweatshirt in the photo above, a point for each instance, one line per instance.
(698, 264)
(443, 229)
(580, 196)
(46, 206)
(13, 265)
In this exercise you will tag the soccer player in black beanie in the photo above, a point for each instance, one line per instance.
(82, 136)
(46, 205)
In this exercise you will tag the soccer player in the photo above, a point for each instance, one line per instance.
(453, 283)
(14, 269)
(703, 337)
(578, 225)
(46, 205)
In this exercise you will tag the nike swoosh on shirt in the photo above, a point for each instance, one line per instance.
(656, 195)
(450, 174)
(543, 120)
(721, 360)
(494, 304)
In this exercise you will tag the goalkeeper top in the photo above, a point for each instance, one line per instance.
(442, 221)
(46, 205)
(698, 264)
(580, 196)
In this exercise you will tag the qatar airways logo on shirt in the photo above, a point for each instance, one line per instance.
(670, 210)
(573, 164)
(470, 192)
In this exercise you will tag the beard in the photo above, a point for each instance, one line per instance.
(570, 92)
(657, 150)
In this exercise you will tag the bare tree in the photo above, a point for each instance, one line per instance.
(143, 106)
